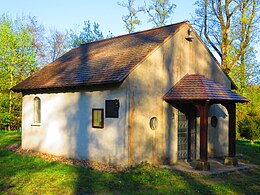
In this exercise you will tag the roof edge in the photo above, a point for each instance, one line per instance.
(142, 31)
(208, 98)
(70, 88)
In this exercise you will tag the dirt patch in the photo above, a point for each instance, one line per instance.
(16, 136)
(78, 163)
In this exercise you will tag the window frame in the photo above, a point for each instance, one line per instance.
(102, 118)
(36, 111)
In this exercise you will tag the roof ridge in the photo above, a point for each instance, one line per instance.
(134, 33)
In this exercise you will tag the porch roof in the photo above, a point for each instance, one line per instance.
(198, 88)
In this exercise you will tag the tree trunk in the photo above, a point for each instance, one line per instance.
(242, 73)
(10, 101)
(225, 48)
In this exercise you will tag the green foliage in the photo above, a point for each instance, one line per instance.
(249, 127)
(248, 115)
(130, 19)
(16, 51)
(6, 119)
(17, 62)
(234, 40)
(86, 35)
(24, 47)
(159, 11)
(228, 27)
(248, 72)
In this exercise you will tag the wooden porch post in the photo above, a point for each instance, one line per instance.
(231, 159)
(203, 164)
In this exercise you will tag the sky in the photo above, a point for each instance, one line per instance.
(70, 14)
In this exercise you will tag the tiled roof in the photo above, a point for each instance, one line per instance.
(101, 62)
(197, 87)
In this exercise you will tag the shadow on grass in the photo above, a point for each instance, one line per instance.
(247, 152)
(9, 137)
(140, 179)
(21, 174)
(26, 174)
(14, 166)
(147, 179)
(239, 182)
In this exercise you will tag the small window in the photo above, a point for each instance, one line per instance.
(37, 110)
(98, 118)
(153, 123)
(112, 108)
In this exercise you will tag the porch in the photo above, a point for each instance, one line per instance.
(193, 95)
(217, 166)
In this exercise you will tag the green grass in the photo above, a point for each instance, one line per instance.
(9, 138)
(250, 152)
(20, 174)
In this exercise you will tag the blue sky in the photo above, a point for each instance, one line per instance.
(67, 14)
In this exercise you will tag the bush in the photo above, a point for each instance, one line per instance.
(248, 115)
(249, 127)
(7, 119)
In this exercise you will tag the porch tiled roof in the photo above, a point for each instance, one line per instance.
(197, 87)
(100, 62)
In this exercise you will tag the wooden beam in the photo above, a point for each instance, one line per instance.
(231, 108)
(131, 132)
(191, 129)
(203, 164)
(203, 109)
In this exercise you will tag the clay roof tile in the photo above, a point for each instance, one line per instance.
(100, 62)
(196, 87)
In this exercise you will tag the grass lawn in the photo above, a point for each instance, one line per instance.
(20, 174)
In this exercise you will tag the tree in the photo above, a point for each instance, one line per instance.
(246, 62)
(249, 116)
(39, 40)
(17, 56)
(220, 20)
(86, 35)
(49, 45)
(131, 19)
(247, 71)
(231, 28)
(57, 44)
(159, 11)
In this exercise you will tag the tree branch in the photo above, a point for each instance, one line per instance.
(205, 29)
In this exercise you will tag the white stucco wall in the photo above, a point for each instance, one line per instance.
(218, 136)
(193, 57)
(146, 89)
(148, 84)
(66, 126)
